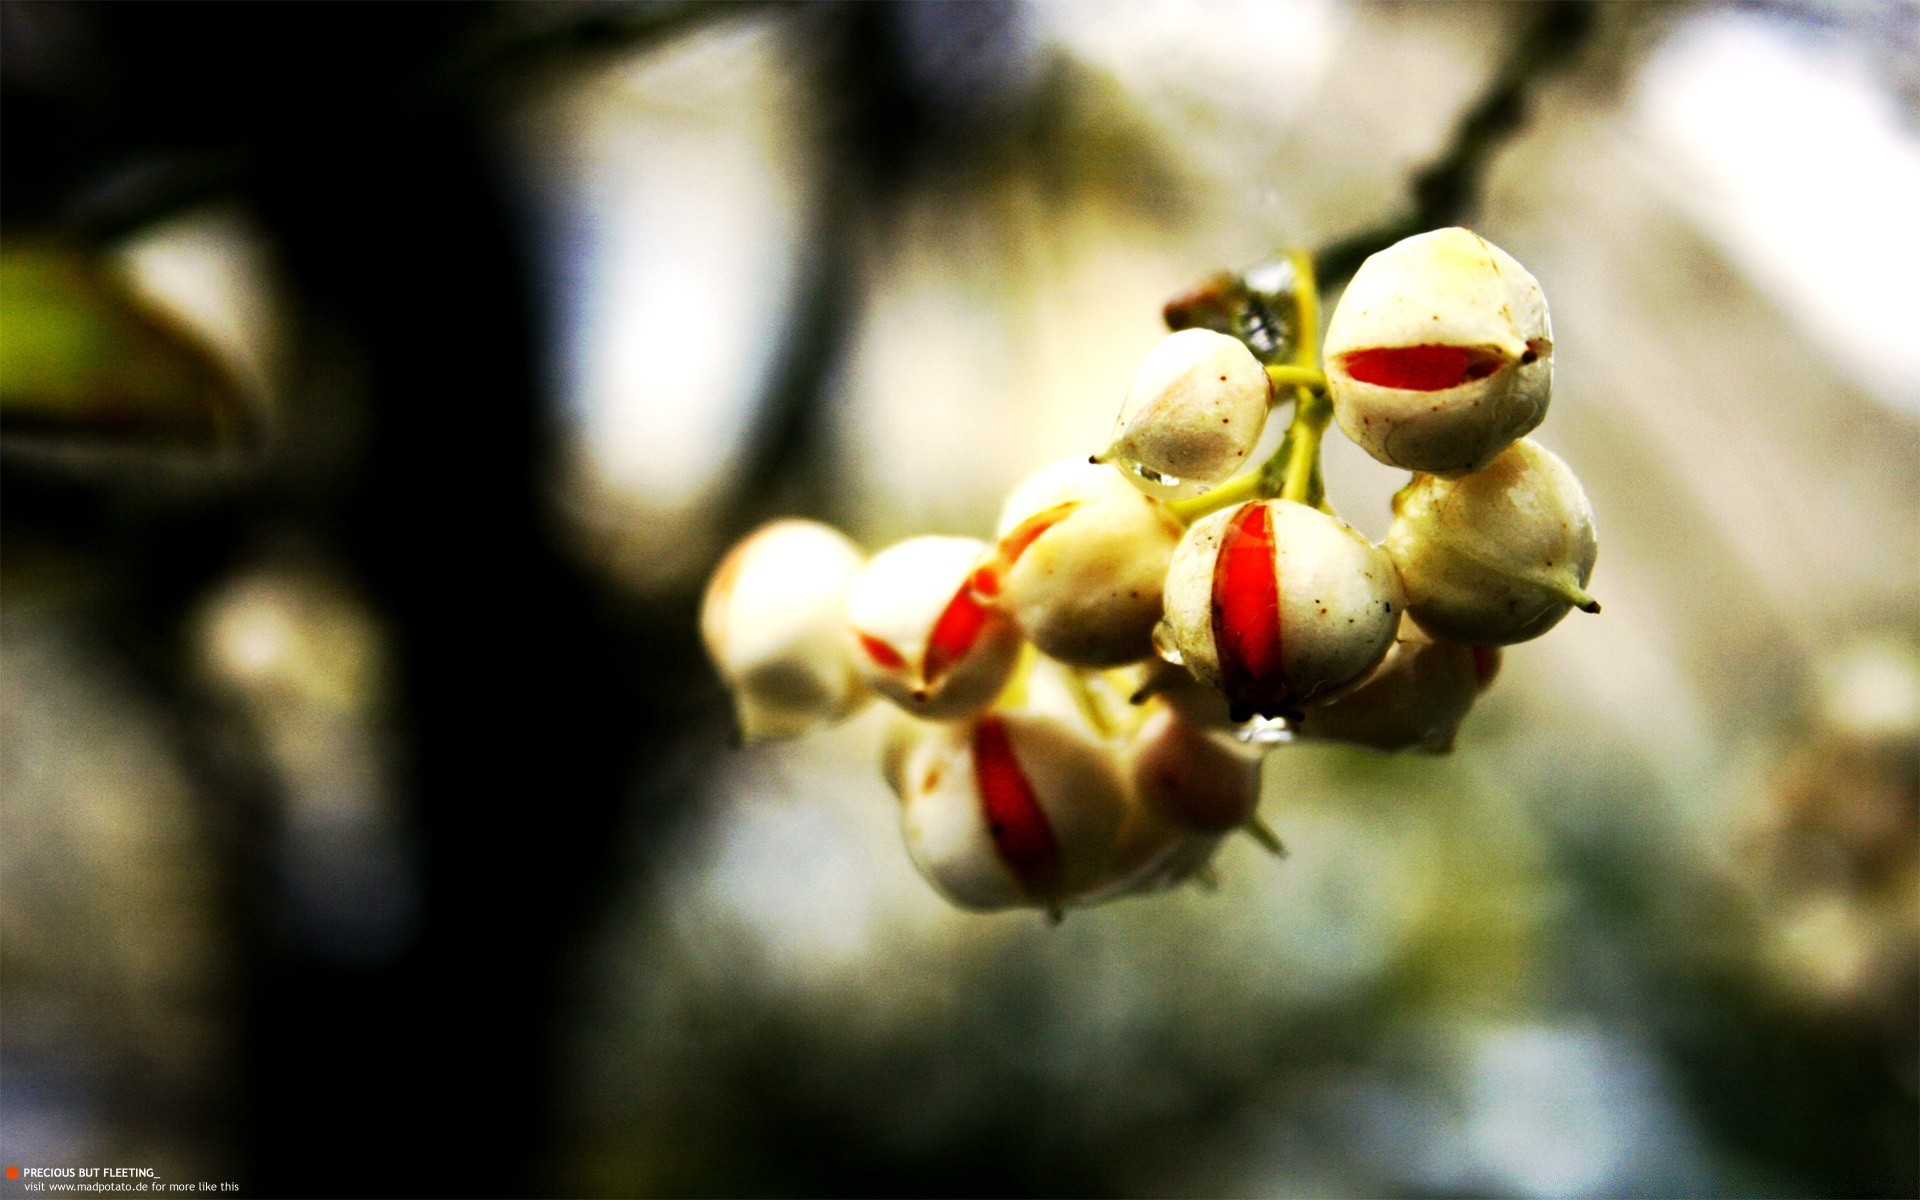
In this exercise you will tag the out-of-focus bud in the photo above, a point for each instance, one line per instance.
(1194, 412)
(1499, 556)
(1188, 789)
(919, 635)
(1078, 564)
(1414, 700)
(1016, 808)
(1200, 781)
(774, 623)
(1278, 606)
(1440, 353)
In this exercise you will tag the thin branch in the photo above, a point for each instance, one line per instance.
(1449, 188)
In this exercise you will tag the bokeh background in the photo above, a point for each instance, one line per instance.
(378, 384)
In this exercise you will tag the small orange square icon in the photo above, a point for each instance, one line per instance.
(13, 1172)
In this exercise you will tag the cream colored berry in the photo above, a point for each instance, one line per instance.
(1078, 564)
(1414, 700)
(1278, 605)
(1198, 702)
(1014, 808)
(1193, 413)
(773, 621)
(1188, 789)
(1499, 556)
(919, 635)
(1199, 780)
(1440, 353)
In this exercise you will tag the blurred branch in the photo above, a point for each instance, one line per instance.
(1447, 189)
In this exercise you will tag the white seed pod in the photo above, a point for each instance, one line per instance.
(1188, 789)
(1278, 605)
(1193, 414)
(774, 623)
(1499, 556)
(1078, 564)
(1012, 809)
(1439, 353)
(918, 634)
(1153, 854)
(1200, 781)
(1414, 700)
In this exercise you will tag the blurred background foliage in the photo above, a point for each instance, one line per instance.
(377, 385)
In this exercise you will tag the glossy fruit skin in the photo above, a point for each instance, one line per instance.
(1414, 700)
(1079, 562)
(899, 610)
(1193, 414)
(1038, 803)
(773, 621)
(1047, 855)
(1489, 559)
(1447, 296)
(1334, 607)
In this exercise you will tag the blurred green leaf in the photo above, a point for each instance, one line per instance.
(84, 359)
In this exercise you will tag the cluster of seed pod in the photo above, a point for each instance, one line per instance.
(1083, 702)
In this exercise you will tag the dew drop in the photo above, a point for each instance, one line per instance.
(1264, 731)
(1154, 477)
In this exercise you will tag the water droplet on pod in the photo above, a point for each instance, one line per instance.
(1156, 478)
(1264, 731)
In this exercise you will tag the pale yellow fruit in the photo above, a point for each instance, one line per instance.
(1193, 414)
(1440, 353)
(1014, 808)
(1414, 700)
(1499, 556)
(773, 622)
(1201, 781)
(1329, 616)
(920, 638)
(1079, 563)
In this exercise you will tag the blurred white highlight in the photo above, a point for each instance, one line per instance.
(1796, 161)
(674, 203)
(213, 269)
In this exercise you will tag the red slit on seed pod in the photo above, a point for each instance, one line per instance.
(1422, 368)
(953, 634)
(1016, 821)
(1246, 615)
(886, 656)
(991, 576)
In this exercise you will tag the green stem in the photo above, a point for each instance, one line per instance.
(1312, 409)
(1293, 473)
(1310, 419)
(1237, 490)
(1306, 292)
(1578, 597)
(1291, 375)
